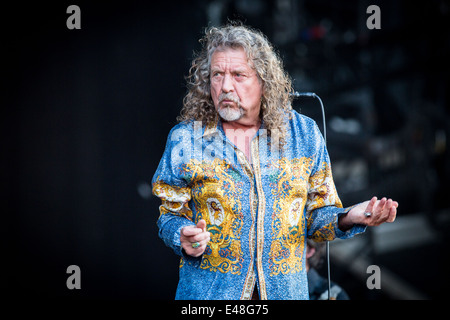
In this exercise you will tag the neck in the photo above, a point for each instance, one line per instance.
(241, 135)
(234, 125)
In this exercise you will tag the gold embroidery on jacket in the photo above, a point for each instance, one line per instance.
(322, 192)
(322, 189)
(215, 193)
(288, 222)
(173, 199)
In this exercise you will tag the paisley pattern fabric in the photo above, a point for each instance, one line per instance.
(259, 211)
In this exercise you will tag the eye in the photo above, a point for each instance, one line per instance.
(239, 76)
(216, 74)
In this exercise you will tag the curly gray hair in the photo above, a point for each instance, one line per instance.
(275, 101)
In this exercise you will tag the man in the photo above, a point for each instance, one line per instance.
(265, 167)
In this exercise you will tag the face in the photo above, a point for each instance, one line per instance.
(236, 89)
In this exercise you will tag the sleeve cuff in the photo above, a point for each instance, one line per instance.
(353, 231)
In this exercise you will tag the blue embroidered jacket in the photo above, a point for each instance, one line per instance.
(259, 211)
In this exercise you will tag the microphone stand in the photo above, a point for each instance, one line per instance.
(313, 95)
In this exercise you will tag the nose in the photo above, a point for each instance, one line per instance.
(227, 83)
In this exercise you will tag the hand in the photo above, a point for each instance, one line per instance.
(384, 210)
(192, 234)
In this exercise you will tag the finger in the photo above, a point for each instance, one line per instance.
(196, 251)
(386, 209)
(201, 224)
(378, 216)
(190, 250)
(191, 231)
(389, 204)
(392, 214)
(369, 207)
(379, 206)
(204, 236)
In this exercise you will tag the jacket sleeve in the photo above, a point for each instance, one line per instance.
(323, 206)
(174, 192)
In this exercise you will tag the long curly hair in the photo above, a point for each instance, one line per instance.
(275, 101)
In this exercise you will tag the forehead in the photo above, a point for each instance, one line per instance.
(230, 57)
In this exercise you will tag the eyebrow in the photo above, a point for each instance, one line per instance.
(237, 70)
(241, 70)
(214, 69)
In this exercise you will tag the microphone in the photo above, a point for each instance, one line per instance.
(297, 94)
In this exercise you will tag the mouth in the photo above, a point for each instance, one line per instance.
(227, 103)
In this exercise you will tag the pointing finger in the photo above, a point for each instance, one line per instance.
(201, 224)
